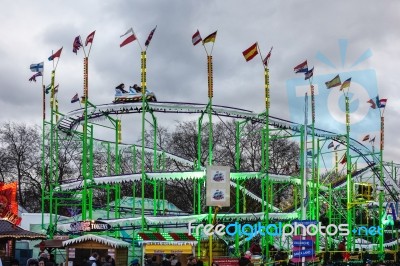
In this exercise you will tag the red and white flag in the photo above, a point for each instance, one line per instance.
(130, 39)
(266, 59)
(196, 38)
(89, 38)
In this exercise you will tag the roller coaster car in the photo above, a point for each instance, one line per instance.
(133, 96)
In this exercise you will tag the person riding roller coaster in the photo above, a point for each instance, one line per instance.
(121, 87)
(136, 88)
(134, 94)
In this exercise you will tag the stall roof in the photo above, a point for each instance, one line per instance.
(10, 230)
(166, 238)
(106, 240)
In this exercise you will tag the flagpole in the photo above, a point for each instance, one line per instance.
(204, 47)
(265, 150)
(143, 84)
(83, 47)
(58, 59)
(210, 137)
(85, 192)
(141, 49)
(381, 195)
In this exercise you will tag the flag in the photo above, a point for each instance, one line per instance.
(196, 38)
(309, 74)
(345, 84)
(382, 103)
(150, 37)
(372, 102)
(372, 140)
(333, 82)
(33, 78)
(89, 38)
(75, 98)
(37, 67)
(77, 44)
(48, 88)
(303, 67)
(266, 59)
(130, 39)
(210, 38)
(337, 146)
(366, 138)
(250, 52)
(344, 159)
(56, 54)
(331, 145)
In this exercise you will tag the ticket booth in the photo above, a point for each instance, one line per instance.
(78, 250)
(161, 245)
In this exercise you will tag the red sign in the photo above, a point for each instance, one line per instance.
(227, 261)
(8, 202)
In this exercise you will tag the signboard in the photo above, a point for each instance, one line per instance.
(218, 186)
(60, 237)
(303, 247)
(89, 226)
(71, 253)
(227, 261)
(303, 243)
(8, 203)
(168, 249)
(304, 253)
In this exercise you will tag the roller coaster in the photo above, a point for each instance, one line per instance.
(363, 194)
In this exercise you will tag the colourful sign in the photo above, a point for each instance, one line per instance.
(227, 261)
(218, 186)
(8, 203)
(89, 226)
(168, 249)
(303, 243)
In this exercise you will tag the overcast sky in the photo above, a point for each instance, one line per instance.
(358, 39)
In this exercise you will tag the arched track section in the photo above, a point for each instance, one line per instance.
(72, 119)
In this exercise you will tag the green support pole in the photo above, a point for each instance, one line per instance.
(51, 170)
(348, 176)
(237, 166)
(91, 176)
(108, 174)
(134, 163)
(43, 185)
(117, 167)
(317, 242)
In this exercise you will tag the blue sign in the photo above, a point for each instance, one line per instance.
(305, 222)
(303, 253)
(303, 243)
